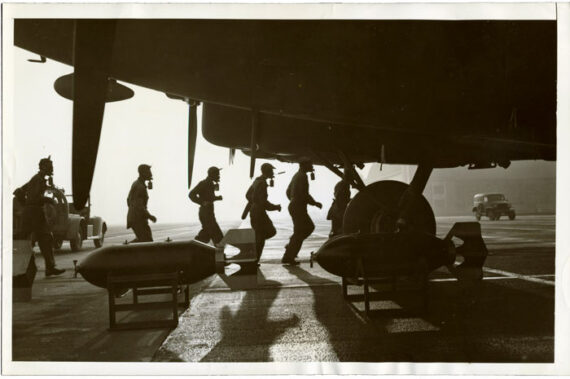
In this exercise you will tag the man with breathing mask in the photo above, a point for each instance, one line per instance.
(298, 193)
(204, 195)
(259, 205)
(138, 215)
(32, 196)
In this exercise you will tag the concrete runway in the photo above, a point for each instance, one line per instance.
(299, 315)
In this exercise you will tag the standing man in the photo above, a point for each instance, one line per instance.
(138, 215)
(298, 193)
(203, 195)
(31, 195)
(338, 206)
(257, 197)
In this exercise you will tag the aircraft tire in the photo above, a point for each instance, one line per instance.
(375, 209)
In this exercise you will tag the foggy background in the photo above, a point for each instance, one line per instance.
(151, 128)
(148, 128)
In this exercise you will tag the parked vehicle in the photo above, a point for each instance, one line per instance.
(492, 205)
(66, 223)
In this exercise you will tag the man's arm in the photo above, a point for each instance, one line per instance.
(268, 205)
(308, 197)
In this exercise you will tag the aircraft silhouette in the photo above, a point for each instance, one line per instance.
(343, 92)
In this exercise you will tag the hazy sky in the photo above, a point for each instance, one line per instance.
(148, 128)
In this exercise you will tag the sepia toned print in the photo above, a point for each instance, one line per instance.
(405, 208)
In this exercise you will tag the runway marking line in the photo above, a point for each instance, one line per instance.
(484, 278)
(132, 234)
(528, 278)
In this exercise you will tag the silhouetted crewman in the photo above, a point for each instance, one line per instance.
(31, 195)
(257, 197)
(204, 195)
(138, 215)
(338, 206)
(298, 193)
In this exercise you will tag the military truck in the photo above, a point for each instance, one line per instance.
(66, 223)
(493, 206)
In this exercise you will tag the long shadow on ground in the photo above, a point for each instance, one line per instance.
(493, 323)
(248, 334)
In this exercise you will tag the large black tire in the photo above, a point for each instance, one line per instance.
(375, 209)
(77, 242)
(478, 216)
(512, 215)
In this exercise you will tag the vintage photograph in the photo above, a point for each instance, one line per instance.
(305, 188)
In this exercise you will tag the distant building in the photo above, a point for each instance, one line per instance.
(529, 185)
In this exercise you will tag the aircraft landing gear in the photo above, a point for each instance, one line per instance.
(387, 206)
(375, 209)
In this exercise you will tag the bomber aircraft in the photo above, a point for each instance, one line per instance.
(436, 94)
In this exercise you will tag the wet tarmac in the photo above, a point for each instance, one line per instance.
(298, 314)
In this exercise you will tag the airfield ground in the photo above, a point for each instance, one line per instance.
(298, 314)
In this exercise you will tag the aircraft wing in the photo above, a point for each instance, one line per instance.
(459, 92)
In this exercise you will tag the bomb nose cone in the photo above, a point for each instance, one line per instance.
(338, 255)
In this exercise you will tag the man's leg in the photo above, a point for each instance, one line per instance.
(147, 233)
(143, 232)
(43, 236)
(45, 241)
(264, 230)
(203, 235)
(306, 227)
(212, 226)
(287, 256)
(259, 245)
(336, 225)
(301, 230)
(140, 233)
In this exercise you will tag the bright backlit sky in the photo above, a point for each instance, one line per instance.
(149, 128)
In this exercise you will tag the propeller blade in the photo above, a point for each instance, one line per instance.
(92, 58)
(253, 146)
(192, 133)
(252, 164)
(232, 155)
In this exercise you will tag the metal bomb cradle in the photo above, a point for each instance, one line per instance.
(164, 267)
(362, 259)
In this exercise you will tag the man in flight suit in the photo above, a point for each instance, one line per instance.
(138, 215)
(257, 197)
(338, 206)
(298, 193)
(203, 195)
(31, 195)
